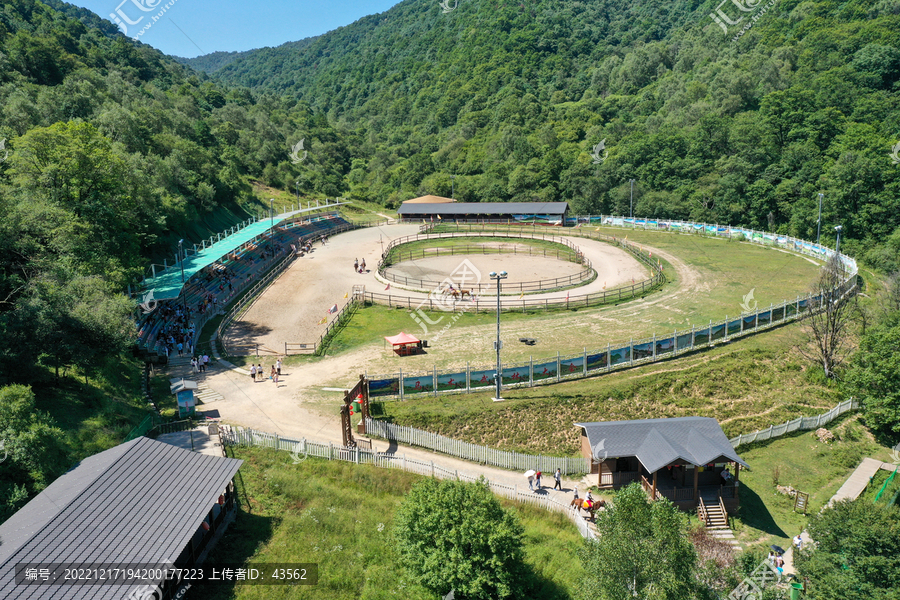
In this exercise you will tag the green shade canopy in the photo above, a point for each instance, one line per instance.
(167, 285)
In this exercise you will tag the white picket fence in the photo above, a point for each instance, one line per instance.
(301, 449)
(473, 452)
(803, 423)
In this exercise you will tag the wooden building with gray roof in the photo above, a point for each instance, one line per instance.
(141, 502)
(682, 459)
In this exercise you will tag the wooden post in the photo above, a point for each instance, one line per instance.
(737, 473)
(653, 492)
(696, 483)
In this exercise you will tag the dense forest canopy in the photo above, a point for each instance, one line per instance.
(511, 98)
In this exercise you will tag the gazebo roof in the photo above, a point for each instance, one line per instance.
(660, 442)
(401, 338)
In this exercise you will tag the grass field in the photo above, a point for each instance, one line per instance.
(340, 516)
(747, 385)
(709, 282)
(802, 462)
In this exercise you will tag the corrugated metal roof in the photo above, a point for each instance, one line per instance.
(660, 442)
(485, 208)
(139, 502)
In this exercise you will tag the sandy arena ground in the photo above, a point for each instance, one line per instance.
(292, 308)
(522, 269)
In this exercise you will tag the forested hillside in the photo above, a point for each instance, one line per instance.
(511, 98)
(109, 153)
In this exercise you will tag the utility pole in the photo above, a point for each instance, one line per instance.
(498, 277)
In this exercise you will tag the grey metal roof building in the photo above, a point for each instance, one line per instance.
(684, 460)
(520, 211)
(657, 443)
(140, 502)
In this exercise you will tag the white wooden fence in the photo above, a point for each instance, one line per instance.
(301, 449)
(803, 423)
(481, 454)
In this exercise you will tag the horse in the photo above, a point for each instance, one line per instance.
(464, 293)
(580, 503)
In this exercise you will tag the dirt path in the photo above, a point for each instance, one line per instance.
(281, 409)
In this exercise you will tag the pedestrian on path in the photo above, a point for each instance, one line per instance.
(355, 265)
(253, 372)
(798, 541)
(558, 477)
(205, 362)
(260, 374)
(278, 366)
(273, 374)
(537, 479)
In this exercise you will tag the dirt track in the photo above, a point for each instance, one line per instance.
(292, 309)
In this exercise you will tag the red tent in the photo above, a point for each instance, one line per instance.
(401, 339)
(403, 343)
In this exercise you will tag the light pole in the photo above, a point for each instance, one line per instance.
(271, 212)
(631, 203)
(183, 291)
(819, 221)
(837, 247)
(498, 277)
(297, 185)
(452, 186)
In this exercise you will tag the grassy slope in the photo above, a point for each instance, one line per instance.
(803, 463)
(747, 385)
(341, 515)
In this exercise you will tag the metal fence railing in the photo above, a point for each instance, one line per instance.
(395, 254)
(303, 448)
(800, 423)
(474, 452)
(617, 294)
(622, 354)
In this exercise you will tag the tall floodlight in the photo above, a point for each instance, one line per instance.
(498, 277)
(837, 247)
(631, 203)
(819, 220)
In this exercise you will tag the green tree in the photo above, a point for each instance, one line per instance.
(641, 551)
(856, 553)
(455, 536)
(33, 447)
(874, 378)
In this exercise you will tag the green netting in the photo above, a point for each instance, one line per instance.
(167, 285)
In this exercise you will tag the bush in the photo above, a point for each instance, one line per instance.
(455, 536)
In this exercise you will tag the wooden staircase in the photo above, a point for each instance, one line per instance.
(712, 513)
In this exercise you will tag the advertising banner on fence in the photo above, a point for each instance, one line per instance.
(482, 378)
(643, 350)
(620, 355)
(718, 332)
(545, 370)
(419, 384)
(665, 346)
(684, 341)
(451, 381)
(571, 366)
(517, 374)
(596, 361)
(384, 387)
(734, 327)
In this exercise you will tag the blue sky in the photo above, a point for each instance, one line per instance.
(194, 27)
